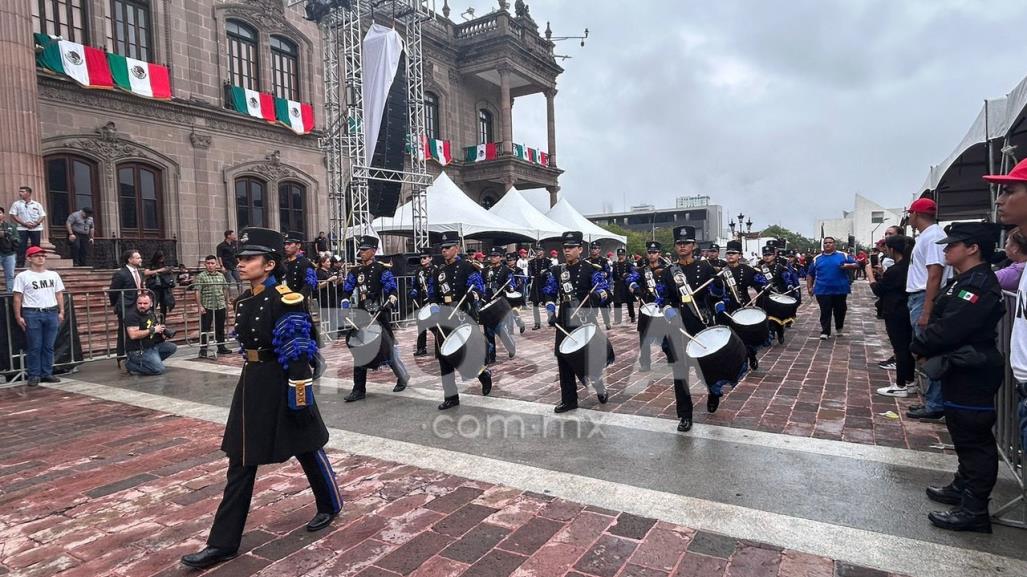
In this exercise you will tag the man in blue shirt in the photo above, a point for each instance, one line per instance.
(828, 281)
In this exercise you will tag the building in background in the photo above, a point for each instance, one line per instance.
(865, 223)
(706, 218)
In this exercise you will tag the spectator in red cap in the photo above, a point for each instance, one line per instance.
(927, 273)
(552, 257)
(479, 256)
(39, 311)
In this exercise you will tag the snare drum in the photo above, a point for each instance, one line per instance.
(651, 322)
(464, 349)
(370, 345)
(426, 319)
(720, 354)
(751, 326)
(515, 298)
(781, 308)
(494, 312)
(587, 350)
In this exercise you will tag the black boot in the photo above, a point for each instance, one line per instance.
(485, 378)
(685, 425)
(208, 557)
(402, 376)
(754, 363)
(951, 494)
(564, 407)
(450, 402)
(359, 386)
(320, 521)
(971, 515)
(712, 402)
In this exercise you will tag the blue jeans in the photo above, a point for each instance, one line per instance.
(1022, 388)
(150, 361)
(8, 262)
(933, 402)
(40, 334)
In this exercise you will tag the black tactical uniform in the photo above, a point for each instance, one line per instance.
(602, 264)
(497, 277)
(623, 275)
(423, 292)
(959, 344)
(273, 415)
(300, 273)
(538, 270)
(372, 288)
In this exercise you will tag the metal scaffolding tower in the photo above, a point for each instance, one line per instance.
(343, 143)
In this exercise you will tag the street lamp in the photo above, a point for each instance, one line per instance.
(748, 226)
(732, 225)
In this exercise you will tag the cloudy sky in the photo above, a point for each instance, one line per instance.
(779, 108)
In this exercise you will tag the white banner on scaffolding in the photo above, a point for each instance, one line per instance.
(382, 50)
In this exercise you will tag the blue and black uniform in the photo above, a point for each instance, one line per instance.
(423, 292)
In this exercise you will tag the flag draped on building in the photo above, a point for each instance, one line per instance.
(253, 103)
(481, 152)
(296, 115)
(140, 78)
(83, 64)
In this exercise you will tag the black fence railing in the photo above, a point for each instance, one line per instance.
(105, 253)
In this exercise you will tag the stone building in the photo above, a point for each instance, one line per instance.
(175, 174)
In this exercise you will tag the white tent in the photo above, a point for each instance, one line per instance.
(516, 209)
(568, 216)
(449, 209)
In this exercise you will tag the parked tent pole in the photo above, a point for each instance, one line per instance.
(991, 163)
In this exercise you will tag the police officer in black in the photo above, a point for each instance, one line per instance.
(647, 286)
(959, 347)
(373, 289)
(739, 278)
(498, 277)
(776, 274)
(573, 283)
(458, 284)
(423, 293)
(273, 415)
(300, 273)
(623, 272)
(538, 272)
(602, 263)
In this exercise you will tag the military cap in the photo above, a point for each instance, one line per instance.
(367, 241)
(511, 256)
(769, 249)
(653, 246)
(979, 233)
(293, 236)
(595, 245)
(734, 246)
(449, 238)
(496, 251)
(572, 238)
(261, 241)
(684, 234)
(425, 251)
(715, 246)
(621, 251)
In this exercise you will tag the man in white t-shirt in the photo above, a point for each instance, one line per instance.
(28, 215)
(927, 274)
(1012, 210)
(39, 311)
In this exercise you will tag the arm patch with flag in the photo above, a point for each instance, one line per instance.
(967, 296)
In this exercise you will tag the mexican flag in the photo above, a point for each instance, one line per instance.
(543, 159)
(140, 78)
(482, 152)
(83, 64)
(439, 151)
(296, 115)
(532, 155)
(253, 103)
(518, 151)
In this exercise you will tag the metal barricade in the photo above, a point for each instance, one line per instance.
(1007, 427)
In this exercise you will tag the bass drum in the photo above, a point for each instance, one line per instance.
(464, 349)
(651, 322)
(721, 355)
(781, 308)
(370, 346)
(515, 298)
(751, 326)
(587, 350)
(493, 313)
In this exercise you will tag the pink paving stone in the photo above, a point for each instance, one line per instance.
(661, 549)
(399, 530)
(749, 561)
(353, 561)
(298, 563)
(797, 564)
(440, 567)
(583, 530)
(695, 565)
(532, 535)
(155, 561)
(551, 559)
(560, 510)
(517, 512)
(607, 556)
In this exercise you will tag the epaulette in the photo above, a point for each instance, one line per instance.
(477, 265)
(385, 264)
(289, 297)
(596, 265)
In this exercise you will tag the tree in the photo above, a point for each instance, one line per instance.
(637, 239)
(795, 240)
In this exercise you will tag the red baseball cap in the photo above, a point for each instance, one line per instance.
(552, 253)
(34, 250)
(1018, 174)
(923, 206)
(523, 251)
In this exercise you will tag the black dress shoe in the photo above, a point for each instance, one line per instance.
(712, 402)
(400, 386)
(486, 382)
(536, 327)
(961, 519)
(604, 398)
(564, 407)
(781, 339)
(949, 494)
(49, 379)
(685, 425)
(208, 557)
(449, 403)
(925, 415)
(320, 521)
(355, 396)
(224, 351)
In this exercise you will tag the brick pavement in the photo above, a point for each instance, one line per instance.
(89, 487)
(807, 388)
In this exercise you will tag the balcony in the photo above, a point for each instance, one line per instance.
(507, 169)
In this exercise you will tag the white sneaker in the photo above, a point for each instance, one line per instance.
(893, 391)
(887, 366)
(824, 336)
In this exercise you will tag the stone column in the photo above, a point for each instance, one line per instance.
(553, 192)
(506, 110)
(21, 160)
(551, 124)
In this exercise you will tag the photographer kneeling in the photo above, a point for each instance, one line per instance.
(147, 346)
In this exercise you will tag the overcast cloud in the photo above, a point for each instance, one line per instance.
(780, 109)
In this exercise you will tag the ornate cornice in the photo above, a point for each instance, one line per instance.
(201, 141)
(107, 144)
(272, 168)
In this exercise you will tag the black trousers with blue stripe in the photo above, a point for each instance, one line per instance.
(230, 519)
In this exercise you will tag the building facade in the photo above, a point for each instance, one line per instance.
(707, 219)
(175, 174)
(865, 223)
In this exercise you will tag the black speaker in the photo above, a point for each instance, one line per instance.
(390, 151)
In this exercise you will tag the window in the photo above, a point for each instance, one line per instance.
(484, 126)
(243, 62)
(877, 217)
(249, 202)
(65, 18)
(71, 185)
(285, 68)
(431, 115)
(139, 201)
(290, 207)
(129, 29)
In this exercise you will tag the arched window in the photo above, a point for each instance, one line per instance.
(65, 18)
(484, 126)
(243, 58)
(291, 197)
(285, 76)
(128, 29)
(140, 201)
(431, 115)
(71, 184)
(249, 202)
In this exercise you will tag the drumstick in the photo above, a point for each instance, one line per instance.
(458, 305)
(564, 331)
(352, 323)
(374, 318)
(499, 291)
(694, 340)
(584, 300)
(442, 332)
(759, 294)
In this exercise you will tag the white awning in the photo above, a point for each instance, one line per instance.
(568, 216)
(516, 209)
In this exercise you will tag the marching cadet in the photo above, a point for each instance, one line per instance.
(538, 271)
(373, 288)
(581, 286)
(623, 273)
(793, 275)
(775, 274)
(647, 287)
(424, 293)
(300, 273)
(497, 277)
(603, 264)
(517, 283)
(273, 415)
(959, 347)
(687, 297)
(458, 284)
(739, 277)
(713, 257)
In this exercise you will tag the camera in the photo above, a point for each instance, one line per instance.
(169, 333)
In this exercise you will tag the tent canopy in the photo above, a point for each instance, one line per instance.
(568, 216)
(449, 209)
(516, 209)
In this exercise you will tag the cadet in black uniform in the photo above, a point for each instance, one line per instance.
(623, 270)
(774, 272)
(497, 276)
(713, 257)
(273, 415)
(517, 284)
(647, 286)
(567, 287)
(739, 278)
(959, 345)
(373, 288)
(423, 293)
(455, 279)
(602, 264)
(681, 281)
(300, 273)
(538, 271)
